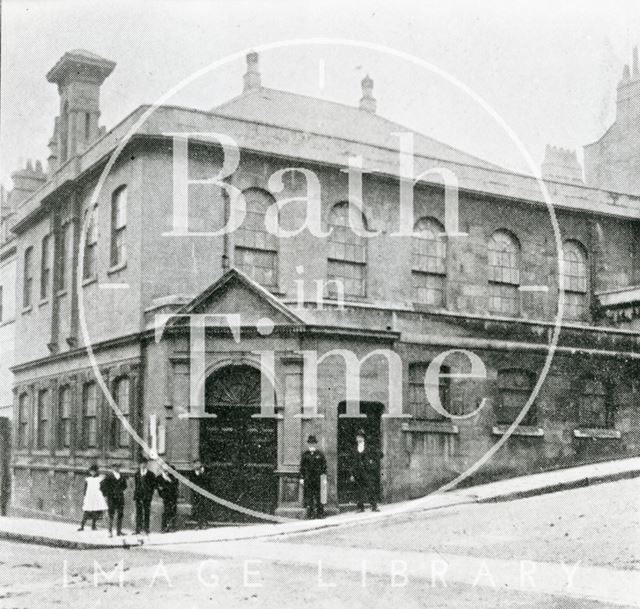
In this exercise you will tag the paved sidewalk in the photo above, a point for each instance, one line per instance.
(63, 534)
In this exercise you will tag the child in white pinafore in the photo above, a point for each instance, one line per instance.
(94, 502)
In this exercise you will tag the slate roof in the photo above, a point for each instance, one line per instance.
(319, 116)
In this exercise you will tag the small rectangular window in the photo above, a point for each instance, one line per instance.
(419, 404)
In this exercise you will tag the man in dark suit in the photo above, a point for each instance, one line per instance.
(144, 485)
(365, 472)
(200, 478)
(312, 466)
(113, 486)
(168, 485)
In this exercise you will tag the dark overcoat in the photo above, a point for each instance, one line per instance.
(312, 466)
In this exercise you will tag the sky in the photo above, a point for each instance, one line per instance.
(548, 69)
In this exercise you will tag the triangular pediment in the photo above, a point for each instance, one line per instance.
(236, 293)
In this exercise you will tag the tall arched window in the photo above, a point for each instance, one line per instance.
(119, 433)
(347, 261)
(576, 304)
(119, 226)
(27, 277)
(23, 420)
(42, 421)
(90, 415)
(429, 263)
(256, 249)
(90, 262)
(63, 437)
(504, 273)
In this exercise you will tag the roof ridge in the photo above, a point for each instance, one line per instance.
(226, 109)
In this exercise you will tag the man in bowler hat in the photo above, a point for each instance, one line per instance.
(113, 486)
(312, 466)
(365, 471)
(144, 485)
(168, 487)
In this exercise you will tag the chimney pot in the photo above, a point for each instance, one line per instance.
(367, 101)
(252, 79)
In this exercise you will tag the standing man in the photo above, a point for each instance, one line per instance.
(313, 466)
(198, 476)
(365, 472)
(144, 485)
(113, 486)
(168, 491)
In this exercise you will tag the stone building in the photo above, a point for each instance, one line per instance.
(7, 334)
(491, 289)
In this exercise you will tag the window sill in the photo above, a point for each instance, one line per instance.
(597, 434)
(26, 309)
(521, 430)
(61, 293)
(89, 280)
(6, 322)
(116, 268)
(43, 302)
(430, 427)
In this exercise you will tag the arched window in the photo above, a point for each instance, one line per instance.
(576, 305)
(23, 420)
(596, 407)
(42, 421)
(515, 387)
(119, 226)
(429, 263)
(256, 249)
(27, 282)
(90, 263)
(347, 261)
(119, 433)
(504, 273)
(45, 267)
(90, 415)
(64, 418)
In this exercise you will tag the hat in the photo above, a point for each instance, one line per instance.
(312, 439)
(93, 467)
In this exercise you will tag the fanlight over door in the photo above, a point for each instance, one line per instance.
(240, 451)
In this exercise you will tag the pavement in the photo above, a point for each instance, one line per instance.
(65, 535)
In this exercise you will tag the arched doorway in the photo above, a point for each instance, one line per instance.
(239, 451)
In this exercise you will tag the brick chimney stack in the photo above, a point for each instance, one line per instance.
(252, 80)
(367, 101)
(79, 75)
(25, 182)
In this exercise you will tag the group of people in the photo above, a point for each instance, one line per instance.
(106, 494)
(364, 473)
